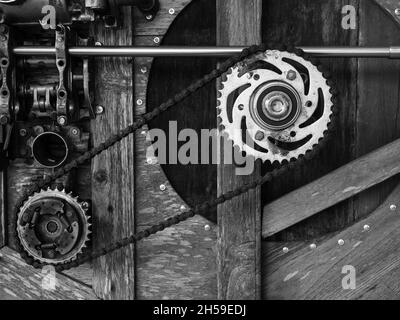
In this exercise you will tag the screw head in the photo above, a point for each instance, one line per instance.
(393, 207)
(340, 242)
(23, 132)
(291, 75)
(367, 228)
(207, 227)
(183, 208)
(62, 120)
(99, 109)
(139, 102)
(143, 69)
(3, 120)
(85, 205)
(171, 11)
(163, 187)
(313, 246)
(149, 161)
(75, 131)
(156, 40)
(149, 17)
(397, 12)
(259, 135)
(285, 250)
(98, 44)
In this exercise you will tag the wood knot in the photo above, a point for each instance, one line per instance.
(100, 176)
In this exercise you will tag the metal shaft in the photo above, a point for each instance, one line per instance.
(166, 51)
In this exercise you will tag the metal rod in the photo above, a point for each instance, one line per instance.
(165, 51)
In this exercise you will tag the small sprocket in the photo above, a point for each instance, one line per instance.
(53, 227)
(275, 106)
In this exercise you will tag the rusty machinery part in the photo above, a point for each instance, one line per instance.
(274, 106)
(142, 120)
(50, 149)
(23, 12)
(53, 227)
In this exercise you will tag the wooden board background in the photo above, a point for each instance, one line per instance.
(183, 258)
(368, 100)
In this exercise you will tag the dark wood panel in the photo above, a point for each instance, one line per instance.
(239, 220)
(378, 102)
(113, 172)
(370, 246)
(309, 23)
(195, 26)
(332, 188)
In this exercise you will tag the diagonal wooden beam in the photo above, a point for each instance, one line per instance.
(19, 281)
(331, 189)
(390, 6)
(371, 247)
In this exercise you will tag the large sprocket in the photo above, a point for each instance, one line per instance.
(275, 106)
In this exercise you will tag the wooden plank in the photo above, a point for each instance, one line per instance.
(19, 281)
(317, 273)
(331, 189)
(239, 220)
(390, 6)
(378, 101)
(299, 22)
(3, 214)
(113, 171)
(179, 262)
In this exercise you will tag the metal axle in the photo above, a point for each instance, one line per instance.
(167, 51)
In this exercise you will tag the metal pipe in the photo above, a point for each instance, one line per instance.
(165, 51)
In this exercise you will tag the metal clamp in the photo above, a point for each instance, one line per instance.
(61, 62)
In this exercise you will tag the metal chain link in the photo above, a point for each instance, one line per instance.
(142, 120)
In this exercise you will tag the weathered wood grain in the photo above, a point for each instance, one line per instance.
(162, 20)
(3, 214)
(239, 220)
(179, 262)
(310, 23)
(113, 171)
(19, 281)
(389, 6)
(339, 185)
(317, 274)
(195, 26)
(378, 101)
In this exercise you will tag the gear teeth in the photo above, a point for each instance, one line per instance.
(231, 76)
(29, 256)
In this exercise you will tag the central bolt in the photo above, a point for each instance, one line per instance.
(277, 106)
(52, 227)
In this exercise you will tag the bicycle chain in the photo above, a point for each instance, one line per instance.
(142, 120)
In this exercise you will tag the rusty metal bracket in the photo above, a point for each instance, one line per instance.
(61, 62)
(5, 106)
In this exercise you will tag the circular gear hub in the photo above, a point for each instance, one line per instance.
(275, 106)
(53, 227)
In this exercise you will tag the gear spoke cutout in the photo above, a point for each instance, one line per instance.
(284, 100)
